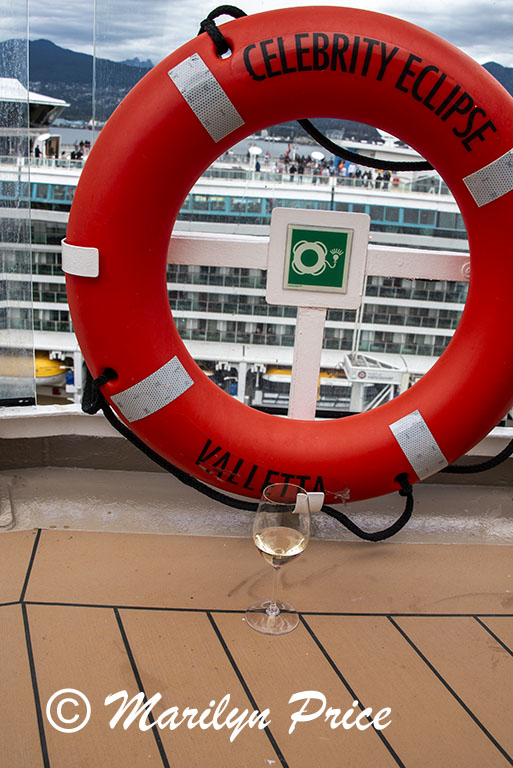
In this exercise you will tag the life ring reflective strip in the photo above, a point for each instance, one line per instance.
(190, 109)
(206, 97)
(492, 181)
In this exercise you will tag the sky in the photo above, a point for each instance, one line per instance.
(153, 28)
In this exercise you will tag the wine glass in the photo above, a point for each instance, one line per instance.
(281, 531)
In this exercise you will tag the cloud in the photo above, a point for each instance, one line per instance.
(124, 29)
(154, 28)
(482, 29)
(70, 25)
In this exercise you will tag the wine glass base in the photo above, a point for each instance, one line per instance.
(285, 621)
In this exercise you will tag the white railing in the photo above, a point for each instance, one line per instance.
(270, 174)
(398, 183)
(250, 252)
(42, 162)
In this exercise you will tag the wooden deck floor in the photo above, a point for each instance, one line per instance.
(425, 630)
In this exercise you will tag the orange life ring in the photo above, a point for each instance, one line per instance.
(191, 108)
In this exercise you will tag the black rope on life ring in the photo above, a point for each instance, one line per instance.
(483, 466)
(386, 533)
(209, 26)
(354, 157)
(94, 401)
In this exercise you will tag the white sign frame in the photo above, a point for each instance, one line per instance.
(358, 224)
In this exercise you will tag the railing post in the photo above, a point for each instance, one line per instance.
(306, 363)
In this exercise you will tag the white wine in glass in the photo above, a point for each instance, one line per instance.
(281, 531)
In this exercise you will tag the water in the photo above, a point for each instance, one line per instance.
(278, 148)
(70, 135)
(274, 148)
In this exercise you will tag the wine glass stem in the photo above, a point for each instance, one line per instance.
(273, 609)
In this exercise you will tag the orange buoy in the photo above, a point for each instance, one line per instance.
(285, 64)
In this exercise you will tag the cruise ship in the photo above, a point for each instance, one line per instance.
(244, 344)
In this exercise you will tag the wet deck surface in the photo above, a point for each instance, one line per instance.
(425, 630)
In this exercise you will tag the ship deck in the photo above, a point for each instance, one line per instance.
(425, 629)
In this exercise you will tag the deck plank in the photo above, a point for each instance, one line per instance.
(227, 573)
(502, 626)
(277, 667)
(15, 553)
(179, 656)
(475, 665)
(19, 734)
(168, 582)
(82, 648)
(429, 728)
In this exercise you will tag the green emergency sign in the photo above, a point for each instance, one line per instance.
(317, 258)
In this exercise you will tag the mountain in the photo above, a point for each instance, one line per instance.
(503, 74)
(345, 129)
(68, 75)
(148, 64)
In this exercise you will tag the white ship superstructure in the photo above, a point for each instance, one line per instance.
(220, 311)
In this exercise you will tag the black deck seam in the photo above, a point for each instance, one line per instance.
(242, 611)
(35, 689)
(495, 637)
(139, 682)
(349, 688)
(452, 691)
(30, 564)
(113, 606)
(246, 688)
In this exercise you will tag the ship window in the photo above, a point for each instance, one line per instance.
(217, 203)
(44, 258)
(70, 191)
(238, 204)
(42, 191)
(15, 290)
(9, 262)
(460, 224)
(376, 212)
(392, 214)
(358, 208)
(255, 205)
(446, 220)
(9, 188)
(58, 192)
(342, 206)
(427, 217)
(200, 202)
(411, 215)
